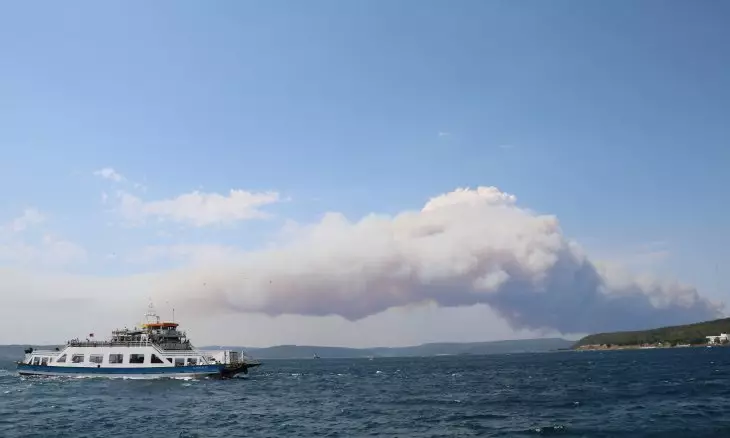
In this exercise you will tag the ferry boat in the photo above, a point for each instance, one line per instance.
(156, 350)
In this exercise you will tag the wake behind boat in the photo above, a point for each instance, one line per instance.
(157, 350)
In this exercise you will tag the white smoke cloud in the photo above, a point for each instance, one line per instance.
(463, 248)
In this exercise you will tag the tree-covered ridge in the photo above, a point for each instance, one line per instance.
(680, 334)
(15, 352)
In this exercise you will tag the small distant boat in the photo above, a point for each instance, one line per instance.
(157, 350)
(316, 356)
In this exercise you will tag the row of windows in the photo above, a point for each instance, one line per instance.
(40, 360)
(116, 358)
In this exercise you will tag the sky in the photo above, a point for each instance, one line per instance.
(362, 173)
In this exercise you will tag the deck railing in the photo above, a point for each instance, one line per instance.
(109, 344)
(163, 350)
(44, 352)
(165, 347)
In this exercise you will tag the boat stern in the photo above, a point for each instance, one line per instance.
(232, 362)
(232, 369)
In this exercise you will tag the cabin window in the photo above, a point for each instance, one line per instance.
(96, 358)
(62, 358)
(44, 361)
(156, 359)
(192, 361)
(116, 358)
(179, 362)
(169, 359)
(36, 360)
(77, 358)
(136, 358)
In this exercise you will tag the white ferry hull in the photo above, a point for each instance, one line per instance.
(199, 371)
(156, 350)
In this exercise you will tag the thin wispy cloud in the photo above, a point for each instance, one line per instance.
(648, 254)
(197, 208)
(444, 134)
(110, 174)
(30, 216)
(18, 247)
(641, 256)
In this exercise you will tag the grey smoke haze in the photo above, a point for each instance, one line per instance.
(463, 248)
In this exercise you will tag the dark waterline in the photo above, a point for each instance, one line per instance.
(657, 393)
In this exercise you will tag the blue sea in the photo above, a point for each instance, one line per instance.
(648, 393)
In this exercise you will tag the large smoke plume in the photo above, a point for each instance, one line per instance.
(461, 248)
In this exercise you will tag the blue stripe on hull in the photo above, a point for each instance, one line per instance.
(162, 371)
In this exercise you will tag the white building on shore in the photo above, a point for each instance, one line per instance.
(717, 339)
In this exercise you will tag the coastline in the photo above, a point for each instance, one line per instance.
(604, 347)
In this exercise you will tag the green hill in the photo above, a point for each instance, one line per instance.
(476, 348)
(15, 352)
(433, 349)
(680, 334)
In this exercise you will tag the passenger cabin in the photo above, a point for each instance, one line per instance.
(117, 356)
(155, 344)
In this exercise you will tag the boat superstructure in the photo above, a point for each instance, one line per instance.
(156, 349)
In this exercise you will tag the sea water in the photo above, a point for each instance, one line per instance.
(682, 392)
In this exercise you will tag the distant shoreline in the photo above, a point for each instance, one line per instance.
(701, 334)
(639, 347)
(539, 345)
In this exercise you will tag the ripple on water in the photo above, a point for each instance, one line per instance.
(657, 393)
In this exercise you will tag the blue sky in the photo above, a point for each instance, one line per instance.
(611, 116)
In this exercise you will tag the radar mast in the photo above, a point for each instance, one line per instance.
(151, 317)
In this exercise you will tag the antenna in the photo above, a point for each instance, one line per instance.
(151, 313)
(173, 310)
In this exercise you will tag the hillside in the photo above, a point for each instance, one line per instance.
(493, 347)
(433, 349)
(15, 352)
(689, 333)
